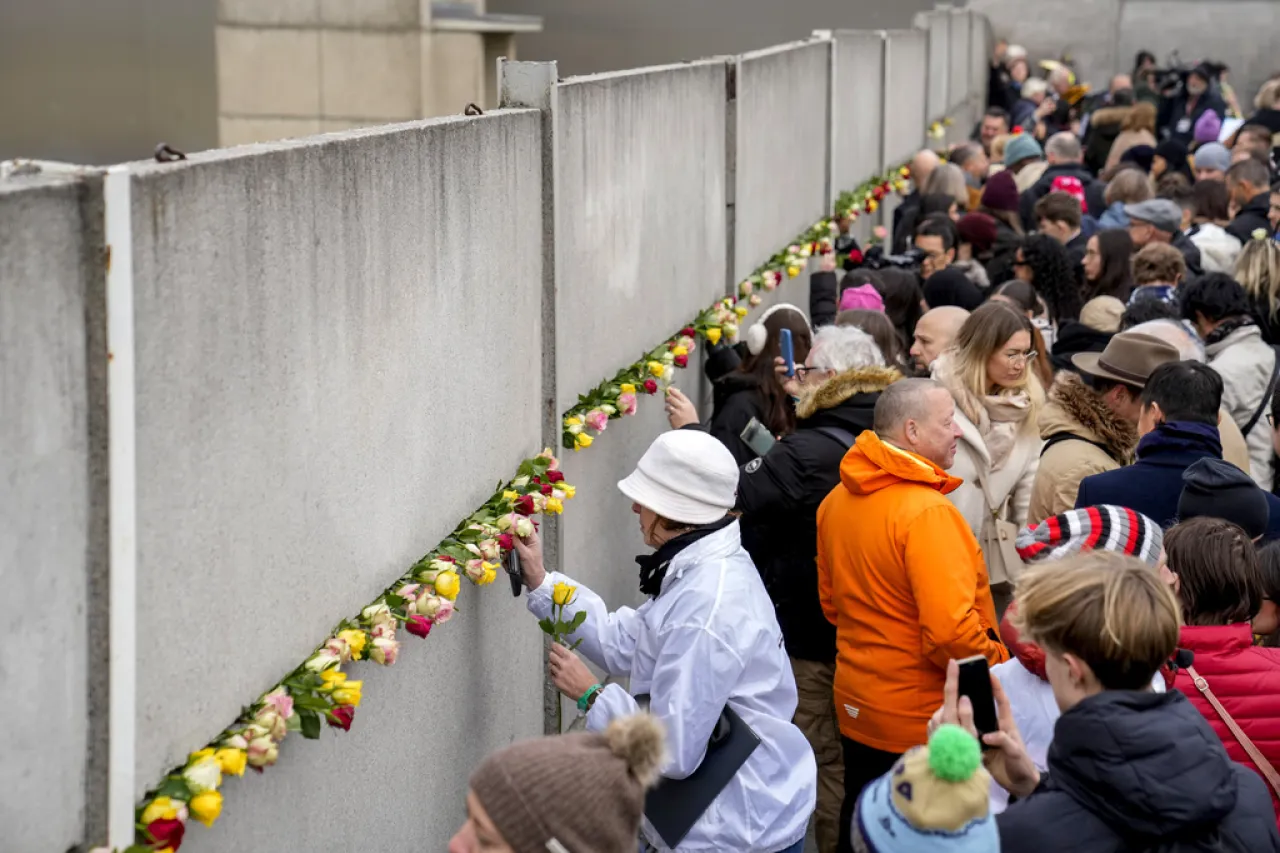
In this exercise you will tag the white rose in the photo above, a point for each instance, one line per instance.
(203, 775)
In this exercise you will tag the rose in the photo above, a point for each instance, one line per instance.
(269, 718)
(236, 741)
(281, 701)
(262, 752)
(474, 570)
(341, 717)
(563, 593)
(521, 482)
(553, 462)
(508, 495)
(418, 625)
(597, 420)
(506, 541)
(650, 386)
(687, 331)
(339, 647)
(162, 808)
(582, 441)
(349, 693)
(656, 368)
(526, 505)
(569, 491)
(332, 678)
(678, 351)
(557, 476)
(409, 590)
(554, 506)
(755, 299)
(356, 640)
(682, 361)
(384, 651)
(524, 528)
(322, 660)
(447, 585)
(232, 761)
(713, 334)
(627, 403)
(378, 614)
(165, 832)
(746, 288)
(689, 344)
(385, 630)
(731, 329)
(505, 522)
(206, 807)
(204, 773)
(573, 425)
(490, 574)
(489, 550)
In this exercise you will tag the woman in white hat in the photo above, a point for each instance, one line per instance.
(706, 639)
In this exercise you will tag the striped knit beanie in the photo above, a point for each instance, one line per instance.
(1095, 528)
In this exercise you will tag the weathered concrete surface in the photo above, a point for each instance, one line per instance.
(905, 100)
(782, 137)
(859, 104)
(640, 214)
(51, 489)
(337, 342)
(938, 27)
(959, 67)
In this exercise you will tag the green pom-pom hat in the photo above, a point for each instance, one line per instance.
(954, 754)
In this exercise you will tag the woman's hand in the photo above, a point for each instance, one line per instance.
(828, 262)
(790, 384)
(529, 549)
(680, 409)
(569, 674)
(1007, 760)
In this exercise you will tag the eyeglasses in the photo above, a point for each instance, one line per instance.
(803, 371)
(1021, 357)
(1018, 263)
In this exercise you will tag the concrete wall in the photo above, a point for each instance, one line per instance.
(640, 214)
(781, 182)
(52, 541)
(938, 26)
(958, 64)
(905, 97)
(858, 137)
(313, 322)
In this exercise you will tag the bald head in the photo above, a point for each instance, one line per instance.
(934, 333)
(922, 166)
(918, 415)
(1060, 79)
(1121, 81)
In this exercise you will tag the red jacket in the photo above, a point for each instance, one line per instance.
(1245, 680)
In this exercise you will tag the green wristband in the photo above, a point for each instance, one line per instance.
(586, 697)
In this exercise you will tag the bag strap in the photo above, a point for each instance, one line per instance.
(1059, 437)
(841, 435)
(1266, 398)
(992, 507)
(1264, 767)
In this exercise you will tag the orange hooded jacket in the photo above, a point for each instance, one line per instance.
(902, 578)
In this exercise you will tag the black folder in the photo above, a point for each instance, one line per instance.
(675, 805)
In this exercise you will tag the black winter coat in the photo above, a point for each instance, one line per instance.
(1095, 192)
(735, 401)
(1131, 771)
(1190, 253)
(824, 298)
(905, 216)
(779, 496)
(1250, 218)
(1075, 337)
(1176, 123)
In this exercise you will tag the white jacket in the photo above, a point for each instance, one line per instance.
(710, 638)
(1218, 249)
(1245, 361)
(1011, 484)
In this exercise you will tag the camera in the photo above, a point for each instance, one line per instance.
(911, 259)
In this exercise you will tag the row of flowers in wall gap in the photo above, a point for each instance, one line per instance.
(318, 693)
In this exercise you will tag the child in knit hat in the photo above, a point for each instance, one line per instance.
(577, 793)
(1095, 528)
(934, 798)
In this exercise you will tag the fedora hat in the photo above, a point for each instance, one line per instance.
(1130, 357)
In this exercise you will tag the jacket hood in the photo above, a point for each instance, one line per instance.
(1218, 249)
(872, 465)
(975, 271)
(842, 387)
(1147, 764)
(1239, 335)
(1109, 115)
(1080, 411)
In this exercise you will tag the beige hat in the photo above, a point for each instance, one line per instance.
(1130, 357)
(1102, 314)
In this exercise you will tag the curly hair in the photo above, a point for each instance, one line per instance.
(1053, 276)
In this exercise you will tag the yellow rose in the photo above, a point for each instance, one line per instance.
(573, 421)
(713, 334)
(793, 271)
(447, 585)
(569, 491)
(232, 761)
(679, 350)
(490, 574)
(741, 310)
(161, 808)
(509, 495)
(206, 807)
(582, 440)
(349, 693)
(553, 506)
(356, 640)
(904, 171)
(563, 593)
(656, 368)
(626, 388)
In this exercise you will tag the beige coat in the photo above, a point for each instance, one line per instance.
(1010, 487)
(1030, 174)
(1245, 361)
(1075, 409)
(1126, 140)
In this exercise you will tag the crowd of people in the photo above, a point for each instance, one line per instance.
(1035, 431)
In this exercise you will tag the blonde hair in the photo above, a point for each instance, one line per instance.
(1258, 271)
(947, 179)
(981, 336)
(1268, 95)
(1141, 117)
(998, 145)
(1110, 610)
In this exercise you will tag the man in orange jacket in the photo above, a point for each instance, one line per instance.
(902, 578)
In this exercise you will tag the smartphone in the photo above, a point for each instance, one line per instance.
(757, 437)
(511, 562)
(975, 682)
(788, 351)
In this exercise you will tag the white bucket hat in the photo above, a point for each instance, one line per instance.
(686, 476)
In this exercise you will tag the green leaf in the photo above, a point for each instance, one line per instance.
(546, 625)
(525, 469)
(310, 724)
(175, 788)
(578, 620)
(395, 601)
(574, 647)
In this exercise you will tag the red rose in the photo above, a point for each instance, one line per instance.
(341, 716)
(419, 626)
(546, 488)
(868, 208)
(166, 833)
(880, 192)
(651, 386)
(682, 361)
(445, 557)
(856, 256)
(506, 542)
(555, 477)
(524, 505)
(687, 332)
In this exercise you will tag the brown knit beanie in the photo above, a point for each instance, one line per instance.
(584, 792)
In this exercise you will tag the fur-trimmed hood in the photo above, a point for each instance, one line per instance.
(1076, 409)
(843, 386)
(1109, 115)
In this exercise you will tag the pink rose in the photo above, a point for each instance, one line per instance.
(597, 420)
(409, 590)
(385, 629)
(339, 647)
(475, 570)
(489, 550)
(627, 403)
(444, 613)
(385, 650)
(419, 626)
(282, 701)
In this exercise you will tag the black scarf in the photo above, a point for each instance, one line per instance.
(653, 567)
(1227, 327)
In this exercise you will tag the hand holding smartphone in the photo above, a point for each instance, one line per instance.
(975, 682)
(788, 351)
